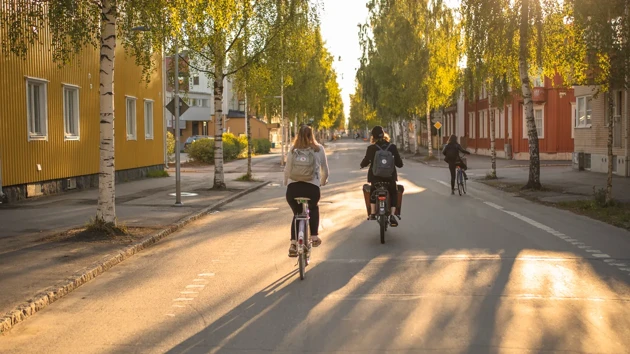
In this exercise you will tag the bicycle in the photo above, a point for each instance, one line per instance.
(459, 177)
(383, 207)
(304, 243)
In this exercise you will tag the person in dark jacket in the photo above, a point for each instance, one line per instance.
(451, 156)
(381, 139)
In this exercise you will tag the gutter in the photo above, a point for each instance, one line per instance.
(1, 193)
(627, 114)
(164, 110)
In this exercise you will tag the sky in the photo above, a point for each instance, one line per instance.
(340, 19)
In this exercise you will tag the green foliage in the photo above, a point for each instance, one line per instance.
(170, 143)
(231, 147)
(242, 145)
(261, 146)
(157, 174)
(202, 150)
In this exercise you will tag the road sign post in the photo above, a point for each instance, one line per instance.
(438, 127)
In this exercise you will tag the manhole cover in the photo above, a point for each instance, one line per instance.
(185, 194)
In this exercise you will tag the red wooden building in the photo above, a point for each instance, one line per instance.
(553, 111)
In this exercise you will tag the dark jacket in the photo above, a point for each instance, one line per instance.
(451, 152)
(369, 156)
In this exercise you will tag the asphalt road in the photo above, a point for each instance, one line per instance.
(483, 273)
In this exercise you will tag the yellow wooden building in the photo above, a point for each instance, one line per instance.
(49, 122)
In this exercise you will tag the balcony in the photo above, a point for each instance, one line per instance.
(539, 94)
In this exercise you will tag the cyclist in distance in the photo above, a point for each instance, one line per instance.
(380, 142)
(306, 170)
(451, 156)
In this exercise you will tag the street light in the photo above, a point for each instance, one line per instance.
(178, 190)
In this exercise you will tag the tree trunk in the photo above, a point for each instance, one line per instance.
(219, 178)
(416, 146)
(534, 152)
(248, 131)
(429, 142)
(106, 208)
(493, 150)
(611, 104)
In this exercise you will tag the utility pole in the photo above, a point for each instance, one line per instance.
(282, 118)
(178, 187)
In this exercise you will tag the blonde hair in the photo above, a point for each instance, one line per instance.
(385, 138)
(305, 139)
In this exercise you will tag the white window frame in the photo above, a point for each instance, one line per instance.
(573, 117)
(148, 121)
(472, 125)
(43, 109)
(131, 122)
(502, 123)
(584, 100)
(74, 90)
(537, 107)
(480, 113)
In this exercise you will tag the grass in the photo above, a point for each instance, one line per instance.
(247, 178)
(430, 158)
(617, 214)
(157, 174)
(98, 225)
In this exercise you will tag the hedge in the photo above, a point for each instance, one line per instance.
(203, 150)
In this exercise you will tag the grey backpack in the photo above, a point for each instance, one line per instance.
(383, 164)
(302, 165)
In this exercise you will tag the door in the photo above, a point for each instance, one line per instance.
(617, 109)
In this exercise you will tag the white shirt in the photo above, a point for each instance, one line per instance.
(321, 168)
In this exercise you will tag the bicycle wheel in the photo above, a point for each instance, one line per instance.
(302, 255)
(382, 220)
(464, 185)
(459, 182)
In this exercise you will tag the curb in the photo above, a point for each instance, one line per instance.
(40, 301)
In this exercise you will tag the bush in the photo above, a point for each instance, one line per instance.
(242, 144)
(170, 143)
(202, 150)
(231, 147)
(261, 146)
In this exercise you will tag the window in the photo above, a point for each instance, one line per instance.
(584, 110)
(71, 112)
(131, 118)
(36, 109)
(205, 102)
(148, 119)
(471, 125)
(502, 124)
(573, 115)
(193, 102)
(539, 119)
(587, 161)
(195, 80)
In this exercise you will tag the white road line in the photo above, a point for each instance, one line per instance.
(612, 260)
(593, 251)
(494, 205)
(601, 255)
(198, 280)
(188, 292)
(183, 299)
(198, 286)
(179, 306)
(170, 314)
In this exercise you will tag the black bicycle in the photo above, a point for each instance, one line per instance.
(459, 177)
(383, 208)
(304, 243)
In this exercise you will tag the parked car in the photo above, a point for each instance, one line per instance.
(192, 139)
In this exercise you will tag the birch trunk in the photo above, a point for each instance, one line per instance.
(219, 180)
(493, 150)
(416, 146)
(532, 134)
(429, 141)
(609, 179)
(248, 131)
(106, 208)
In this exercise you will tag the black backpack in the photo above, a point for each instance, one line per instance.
(383, 163)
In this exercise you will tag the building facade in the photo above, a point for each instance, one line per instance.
(49, 133)
(590, 129)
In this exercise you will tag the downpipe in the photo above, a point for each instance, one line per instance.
(627, 114)
(1, 192)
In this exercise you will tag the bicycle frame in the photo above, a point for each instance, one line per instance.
(382, 199)
(302, 231)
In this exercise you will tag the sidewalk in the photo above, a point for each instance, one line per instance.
(33, 263)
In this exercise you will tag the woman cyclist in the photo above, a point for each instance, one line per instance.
(380, 139)
(451, 156)
(306, 189)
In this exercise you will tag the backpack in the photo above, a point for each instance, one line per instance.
(383, 163)
(302, 165)
(451, 153)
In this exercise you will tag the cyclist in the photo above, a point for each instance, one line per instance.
(451, 156)
(380, 141)
(304, 184)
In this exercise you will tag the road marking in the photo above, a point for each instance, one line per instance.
(625, 269)
(601, 255)
(183, 299)
(188, 292)
(494, 205)
(179, 306)
(594, 251)
(198, 286)
(442, 182)
(170, 314)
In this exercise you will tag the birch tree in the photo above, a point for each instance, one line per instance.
(605, 31)
(75, 26)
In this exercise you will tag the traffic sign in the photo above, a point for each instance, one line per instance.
(182, 106)
(437, 125)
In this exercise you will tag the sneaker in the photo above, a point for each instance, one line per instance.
(372, 217)
(293, 249)
(392, 221)
(452, 192)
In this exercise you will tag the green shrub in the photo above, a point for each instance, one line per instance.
(231, 147)
(202, 150)
(261, 146)
(242, 144)
(170, 143)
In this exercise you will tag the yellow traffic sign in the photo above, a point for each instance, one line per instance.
(437, 125)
